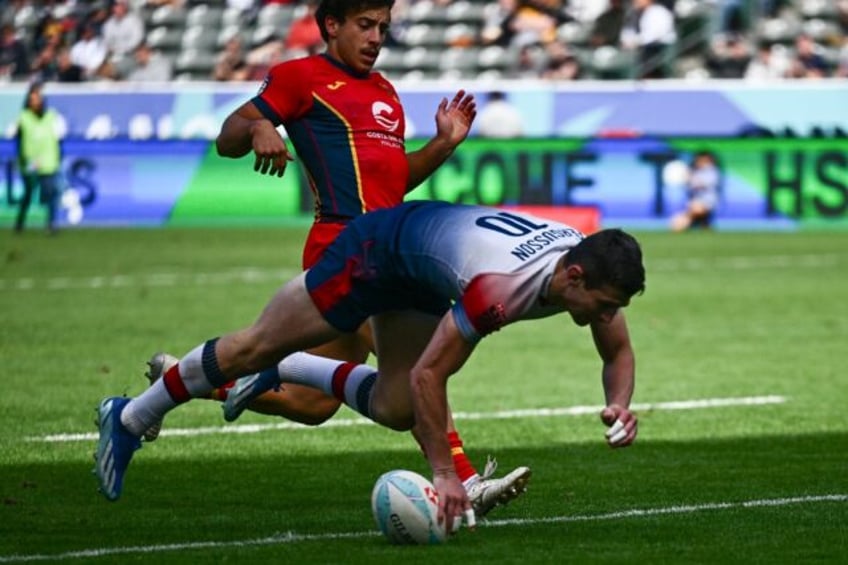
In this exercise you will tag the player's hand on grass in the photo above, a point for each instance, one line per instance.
(270, 149)
(622, 424)
(453, 502)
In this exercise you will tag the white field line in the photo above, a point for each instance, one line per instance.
(742, 263)
(258, 275)
(243, 275)
(294, 537)
(499, 415)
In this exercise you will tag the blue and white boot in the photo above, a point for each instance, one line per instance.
(115, 447)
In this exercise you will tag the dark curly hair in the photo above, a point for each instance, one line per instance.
(610, 257)
(340, 9)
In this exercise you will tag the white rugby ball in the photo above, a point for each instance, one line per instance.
(405, 506)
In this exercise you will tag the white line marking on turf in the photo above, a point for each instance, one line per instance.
(741, 263)
(261, 275)
(237, 275)
(500, 415)
(294, 537)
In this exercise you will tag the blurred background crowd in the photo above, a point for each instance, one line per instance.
(560, 40)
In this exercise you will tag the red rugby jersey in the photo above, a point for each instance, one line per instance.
(347, 129)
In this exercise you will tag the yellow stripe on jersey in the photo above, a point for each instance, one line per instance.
(354, 155)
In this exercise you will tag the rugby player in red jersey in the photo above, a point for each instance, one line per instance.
(347, 127)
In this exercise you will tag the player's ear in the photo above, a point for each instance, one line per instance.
(331, 24)
(574, 274)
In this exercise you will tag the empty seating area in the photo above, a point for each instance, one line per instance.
(434, 39)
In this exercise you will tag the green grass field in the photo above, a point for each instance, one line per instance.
(741, 341)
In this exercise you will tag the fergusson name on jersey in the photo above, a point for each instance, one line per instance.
(538, 242)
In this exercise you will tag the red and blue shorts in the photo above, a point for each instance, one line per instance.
(358, 276)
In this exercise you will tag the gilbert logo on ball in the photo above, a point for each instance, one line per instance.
(405, 507)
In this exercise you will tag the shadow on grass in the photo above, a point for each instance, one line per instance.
(49, 509)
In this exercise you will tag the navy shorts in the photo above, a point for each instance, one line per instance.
(359, 276)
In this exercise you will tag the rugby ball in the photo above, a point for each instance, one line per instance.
(405, 506)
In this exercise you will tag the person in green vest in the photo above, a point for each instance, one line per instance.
(39, 156)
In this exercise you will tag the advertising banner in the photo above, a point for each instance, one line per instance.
(582, 109)
(764, 183)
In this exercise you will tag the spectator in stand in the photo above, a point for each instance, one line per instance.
(231, 64)
(766, 64)
(807, 62)
(260, 59)
(303, 34)
(606, 30)
(842, 16)
(497, 28)
(561, 64)
(150, 66)
(732, 16)
(172, 3)
(652, 35)
(89, 51)
(728, 56)
(123, 31)
(400, 24)
(66, 70)
(536, 21)
(245, 6)
(530, 64)
(842, 63)
(44, 64)
(14, 59)
(47, 28)
(9, 9)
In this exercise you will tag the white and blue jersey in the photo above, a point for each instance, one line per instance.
(491, 266)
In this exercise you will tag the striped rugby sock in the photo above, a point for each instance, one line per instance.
(349, 382)
(191, 378)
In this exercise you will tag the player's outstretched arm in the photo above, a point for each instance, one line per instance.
(444, 355)
(453, 122)
(619, 373)
(247, 129)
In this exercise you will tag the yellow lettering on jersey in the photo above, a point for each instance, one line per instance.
(336, 85)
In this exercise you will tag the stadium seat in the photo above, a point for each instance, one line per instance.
(461, 59)
(390, 61)
(464, 11)
(778, 30)
(263, 34)
(825, 9)
(460, 34)
(427, 11)
(232, 16)
(822, 31)
(165, 39)
(196, 62)
(494, 57)
(25, 18)
(204, 15)
(168, 16)
(424, 35)
(230, 31)
(200, 37)
(421, 58)
(574, 33)
(611, 63)
(276, 15)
